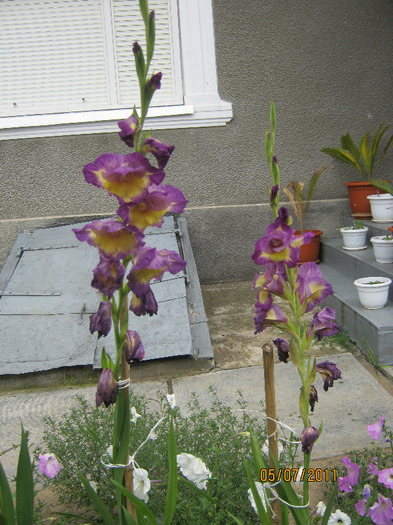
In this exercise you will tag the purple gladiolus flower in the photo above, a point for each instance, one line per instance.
(361, 506)
(375, 430)
(154, 82)
(286, 218)
(158, 201)
(49, 465)
(150, 263)
(275, 160)
(313, 397)
(107, 388)
(133, 347)
(101, 322)
(279, 245)
(311, 285)
(113, 239)
(347, 483)
(324, 324)
(127, 177)
(382, 511)
(329, 373)
(282, 349)
(272, 280)
(161, 152)
(128, 130)
(308, 437)
(273, 193)
(108, 276)
(145, 305)
(386, 477)
(267, 313)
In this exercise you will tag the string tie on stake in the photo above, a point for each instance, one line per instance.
(124, 383)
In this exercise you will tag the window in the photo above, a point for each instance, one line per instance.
(67, 66)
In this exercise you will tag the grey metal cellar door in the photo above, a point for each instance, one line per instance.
(46, 301)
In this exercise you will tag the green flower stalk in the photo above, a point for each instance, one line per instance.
(127, 266)
(301, 288)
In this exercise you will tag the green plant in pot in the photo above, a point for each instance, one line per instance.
(300, 201)
(354, 236)
(365, 161)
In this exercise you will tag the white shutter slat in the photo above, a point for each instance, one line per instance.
(51, 56)
(59, 56)
(128, 29)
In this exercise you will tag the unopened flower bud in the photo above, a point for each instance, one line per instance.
(307, 438)
(107, 388)
(133, 347)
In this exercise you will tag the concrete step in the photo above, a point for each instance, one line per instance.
(369, 329)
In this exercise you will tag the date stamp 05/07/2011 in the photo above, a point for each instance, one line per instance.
(317, 475)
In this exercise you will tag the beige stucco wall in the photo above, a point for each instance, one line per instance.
(328, 67)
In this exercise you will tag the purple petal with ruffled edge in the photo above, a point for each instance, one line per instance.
(272, 280)
(329, 372)
(267, 314)
(113, 239)
(127, 177)
(158, 201)
(133, 346)
(386, 477)
(323, 323)
(108, 276)
(282, 346)
(361, 506)
(150, 263)
(382, 511)
(161, 152)
(49, 465)
(145, 305)
(312, 286)
(128, 130)
(375, 430)
(352, 470)
(101, 322)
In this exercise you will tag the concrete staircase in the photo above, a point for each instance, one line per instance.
(369, 329)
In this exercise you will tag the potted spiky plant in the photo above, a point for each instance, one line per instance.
(364, 160)
(300, 201)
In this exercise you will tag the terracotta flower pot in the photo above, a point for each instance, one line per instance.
(310, 252)
(357, 193)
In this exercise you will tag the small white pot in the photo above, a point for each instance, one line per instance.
(354, 239)
(383, 249)
(373, 296)
(381, 207)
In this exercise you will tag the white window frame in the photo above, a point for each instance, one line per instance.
(202, 104)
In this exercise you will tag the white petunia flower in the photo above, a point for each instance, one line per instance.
(194, 469)
(134, 415)
(265, 448)
(339, 518)
(141, 484)
(171, 400)
(262, 494)
(321, 507)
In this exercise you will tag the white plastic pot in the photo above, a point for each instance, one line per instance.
(373, 296)
(383, 249)
(354, 239)
(381, 207)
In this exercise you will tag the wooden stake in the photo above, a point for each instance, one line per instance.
(270, 399)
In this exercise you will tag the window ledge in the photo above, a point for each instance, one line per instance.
(208, 111)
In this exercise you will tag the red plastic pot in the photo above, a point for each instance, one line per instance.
(310, 252)
(357, 193)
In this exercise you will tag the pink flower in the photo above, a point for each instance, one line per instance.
(382, 511)
(375, 430)
(372, 469)
(49, 465)
(361, 506)
(350, 480)
(386, 477)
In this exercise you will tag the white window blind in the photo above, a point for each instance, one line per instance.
(59, 56)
